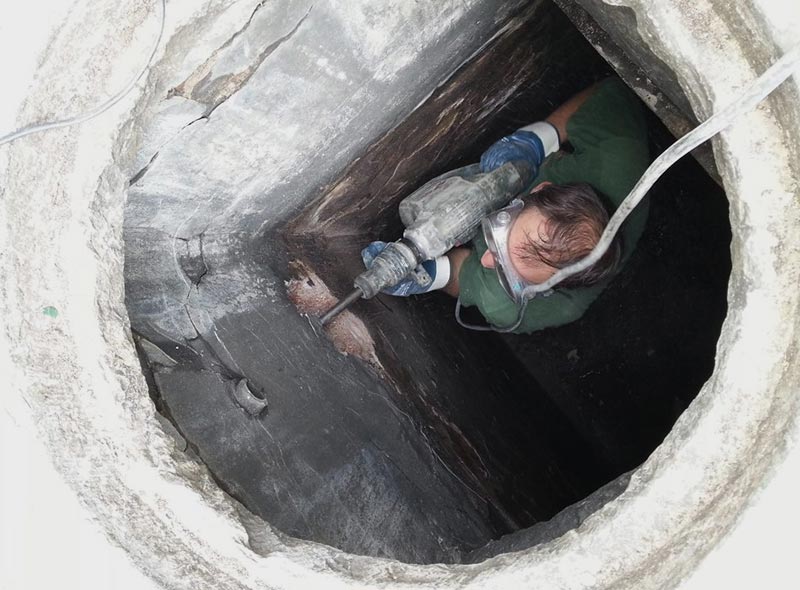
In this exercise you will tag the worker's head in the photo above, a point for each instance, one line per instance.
(553, 227)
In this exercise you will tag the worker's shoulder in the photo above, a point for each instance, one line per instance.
(612, 112)
(615, 90)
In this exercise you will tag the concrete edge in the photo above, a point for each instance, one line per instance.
(181, 530)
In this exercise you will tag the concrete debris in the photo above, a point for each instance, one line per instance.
(348, 333)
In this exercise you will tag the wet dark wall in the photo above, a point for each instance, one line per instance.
(490, 420)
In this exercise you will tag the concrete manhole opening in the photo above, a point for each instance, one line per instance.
(399, 434)
(267, 144)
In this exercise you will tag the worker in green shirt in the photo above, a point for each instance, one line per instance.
(559, 220)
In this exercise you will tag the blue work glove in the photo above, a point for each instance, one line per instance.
(428, 276)
(520, 145)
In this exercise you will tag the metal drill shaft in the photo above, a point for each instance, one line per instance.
(355, 295)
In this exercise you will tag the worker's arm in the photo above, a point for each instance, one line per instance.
(561, 116)
(534, 142)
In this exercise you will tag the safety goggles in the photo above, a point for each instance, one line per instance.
(496, 230)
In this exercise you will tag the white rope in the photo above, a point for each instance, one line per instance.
(757, 91)
(99, 109)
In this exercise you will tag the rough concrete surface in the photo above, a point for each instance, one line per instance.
(75, 383)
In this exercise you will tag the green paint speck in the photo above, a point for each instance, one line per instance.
(50, 311)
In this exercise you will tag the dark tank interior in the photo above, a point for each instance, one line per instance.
(397, 433)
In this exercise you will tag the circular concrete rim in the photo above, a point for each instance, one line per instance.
(80, 377)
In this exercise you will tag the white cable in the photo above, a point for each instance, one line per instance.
(99, 109)
(757, 91)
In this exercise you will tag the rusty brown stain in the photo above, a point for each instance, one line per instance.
(348, 333)
(201, 87)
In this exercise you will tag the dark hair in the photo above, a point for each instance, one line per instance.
(575, 218)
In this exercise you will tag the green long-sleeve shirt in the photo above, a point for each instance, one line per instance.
(610, 152)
